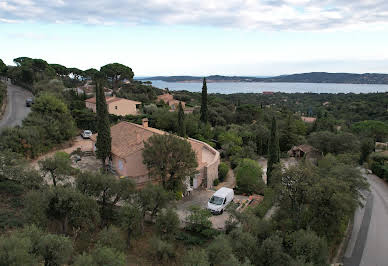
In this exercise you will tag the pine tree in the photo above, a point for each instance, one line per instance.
(204, 115)
(181, 121)
(104, 139)
(273, 150)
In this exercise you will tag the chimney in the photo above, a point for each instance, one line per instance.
(144, 122)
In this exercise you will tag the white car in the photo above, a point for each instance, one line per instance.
(86, 134)
(220, 199)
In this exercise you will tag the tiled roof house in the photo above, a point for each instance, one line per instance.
(169, 99)
(116, 106)
(127, 159)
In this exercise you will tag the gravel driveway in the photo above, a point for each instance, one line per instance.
(200, 198)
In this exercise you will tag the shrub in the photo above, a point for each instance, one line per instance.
(112, 237)
(379, 166)
(162, 250)
(266, 204)
(216, 182)
(190, 239)
(308, 245)
(167, 223)
(223, 169)
(178, 195)
(108, 257)
(196, 257)
(249, 177)
(220, 250)
(198, 220)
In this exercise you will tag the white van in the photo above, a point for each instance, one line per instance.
(86, 134)
(220, 199)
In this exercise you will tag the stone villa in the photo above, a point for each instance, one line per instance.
(127, 159)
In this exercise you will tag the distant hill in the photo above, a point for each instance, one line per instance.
(313, 77)
(213, 78)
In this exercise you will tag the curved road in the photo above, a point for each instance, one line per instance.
(16, 109)
(368, 245)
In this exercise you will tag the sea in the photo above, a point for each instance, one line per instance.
(259, 87)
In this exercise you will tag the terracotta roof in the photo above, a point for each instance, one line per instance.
(308, 119)
(165, 96)
(175, 102)
(128, 138)
(305, 148)
(111, 100)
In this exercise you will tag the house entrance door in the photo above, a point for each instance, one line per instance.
(195, 181)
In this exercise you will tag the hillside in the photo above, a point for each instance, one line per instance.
(313, 77)
(323, 77)
(213, 78)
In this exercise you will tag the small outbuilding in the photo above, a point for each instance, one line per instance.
(305, 151)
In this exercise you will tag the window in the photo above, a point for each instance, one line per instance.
(116, 107)
(120, 165)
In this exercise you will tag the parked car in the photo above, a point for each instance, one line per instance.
(86, 134)
(29, 102)
(220, 199)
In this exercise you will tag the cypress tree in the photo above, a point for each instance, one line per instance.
(273, 150)
(204, 115)
(104, 139)
(181, 121)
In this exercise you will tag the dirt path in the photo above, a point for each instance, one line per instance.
(229, 182)
(263, 164)
(286, 162)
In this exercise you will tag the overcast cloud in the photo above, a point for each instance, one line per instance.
(245, 14)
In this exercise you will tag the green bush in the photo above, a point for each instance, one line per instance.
(178, 195)
(3, 92)
(11, 188)
(266, 204)
(198, 221)
(111, 237)
(249, 177)
(379, 166)
(162, 250)
(216, 182)
(196, 256)
(223, 169)
(167, 223)
(10, 219)
(308, 245)
(190, 239)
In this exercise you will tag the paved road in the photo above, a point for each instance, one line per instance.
(368, 245)
(16, 109)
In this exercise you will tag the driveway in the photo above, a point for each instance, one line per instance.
(286, 162)
(73, 145)
(16, 109)
(368, 244)
(200, 198)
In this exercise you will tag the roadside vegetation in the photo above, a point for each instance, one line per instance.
(63, 216)
(3, 94)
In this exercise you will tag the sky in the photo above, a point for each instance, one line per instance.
(200, 37)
